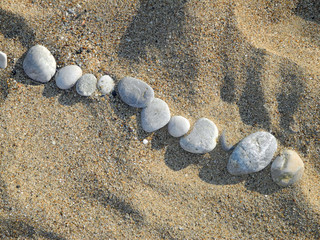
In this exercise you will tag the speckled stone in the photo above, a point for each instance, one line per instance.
(203, 137)
(39, 64)
(155, 116)
(135, 92)
(105, 84)
(67, 76)
(86, 85)
(3, 60)
(252, 154)
(178, 126)
(287, 168)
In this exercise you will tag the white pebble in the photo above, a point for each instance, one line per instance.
(178, 126)
(3, 60)
(67, 76)
(105, 84)
(145, 141)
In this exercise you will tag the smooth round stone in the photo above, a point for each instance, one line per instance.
(287, 168)
(67, 76)
(203, 137)
(105, 84)
(3, 60)
(135, 92)
(252, 154)
(86, 85)
(178, 126)
(39, 64)
(155, 116)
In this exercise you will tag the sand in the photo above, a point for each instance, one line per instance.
(76, 168)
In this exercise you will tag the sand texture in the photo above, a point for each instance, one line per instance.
(73, 167)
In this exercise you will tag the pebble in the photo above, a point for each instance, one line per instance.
(135, 92)
(178, 126)
(155, 116)
(252, 154)
(39, 64)
(203, 137)
(105, 84)
(145, 141)
(67, 76)
(3, 60)
(86, 85)
(287, 168)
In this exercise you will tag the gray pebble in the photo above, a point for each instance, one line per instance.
(178, 126)
(252, 154)
(39, 64)
(3, 60)
(155, 116)
(67, 76)
(135, 93)
(86, 85)
(287, 168)
(203, 137)
(105, 84)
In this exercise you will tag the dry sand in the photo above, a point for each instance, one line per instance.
(76, 168)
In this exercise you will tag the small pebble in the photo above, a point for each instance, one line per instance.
(252, 154)
(39, 64)
(105, 84)
(155, 116)
(135, 93)
(67, 76)
(203, 137)
(287, 168)
(86, 85)
(178, 126)
(145, 141)
(3, 60)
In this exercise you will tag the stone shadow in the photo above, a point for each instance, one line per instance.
(308, 10)
(15, 26)
(160, 25)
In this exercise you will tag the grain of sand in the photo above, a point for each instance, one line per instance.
(76, 168)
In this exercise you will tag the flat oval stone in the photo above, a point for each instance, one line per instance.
(86, 85)
(287, 168)
(178, 126)
(39, 64)
(155, 116)
(252, 154)
(135, 92)
(3, 60)
(105, 84)
(203, 137)
(67, 76)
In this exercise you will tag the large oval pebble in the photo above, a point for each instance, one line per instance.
(135, 92)
(86, 85)
(155, 116)
(203, 137)
(252, 154)
(39, 64)
(67, 76)
(287, 168)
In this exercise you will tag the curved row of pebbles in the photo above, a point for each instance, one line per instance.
(252, 154)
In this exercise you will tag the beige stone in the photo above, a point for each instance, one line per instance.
(287, 168)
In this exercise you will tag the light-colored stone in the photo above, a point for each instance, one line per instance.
(39, 64)
(105, 84)
(178, 126)
(252, 154)
(3, 60)
(287, 168)
(155, 116)
(67, 76)
(135, 92)
(203, 137)
(86, 85)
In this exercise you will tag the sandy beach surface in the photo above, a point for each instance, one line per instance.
(76, 168)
